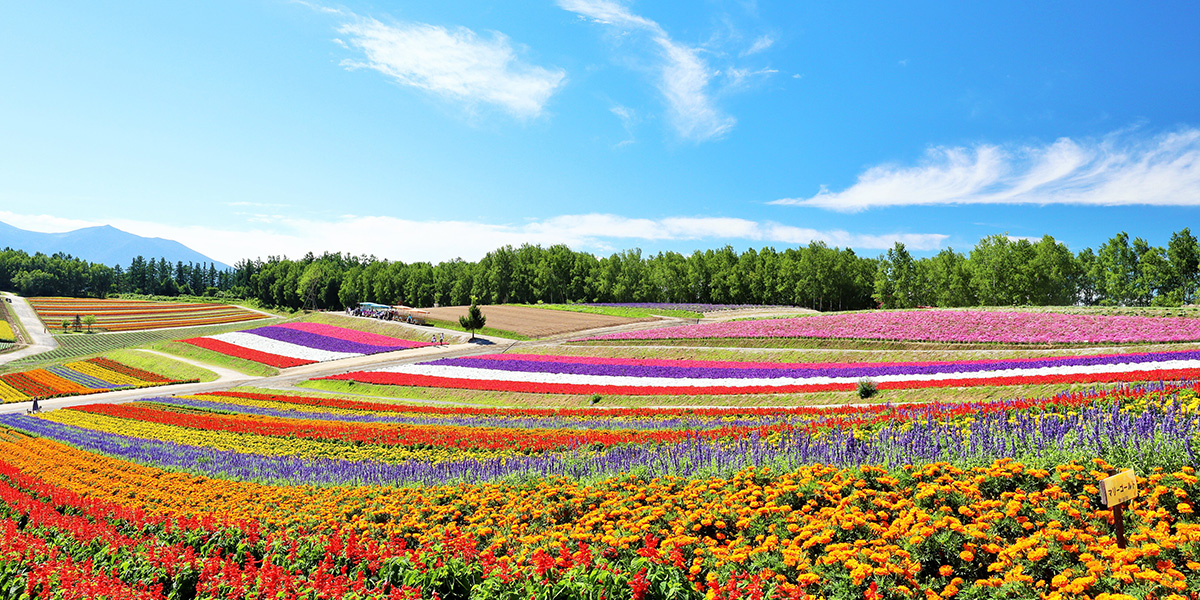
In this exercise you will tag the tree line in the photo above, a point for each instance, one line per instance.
(65, 275)
(998, 271)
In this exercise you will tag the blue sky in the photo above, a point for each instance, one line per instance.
(428, 131)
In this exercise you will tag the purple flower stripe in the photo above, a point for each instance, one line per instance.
(805, 372)
(1099, 429)
(319, 342)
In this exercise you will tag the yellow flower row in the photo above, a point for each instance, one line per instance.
(108, 375)
(9, 393)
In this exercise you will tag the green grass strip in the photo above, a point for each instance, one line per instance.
(161, 365)
(79, 345)
(512, 335)
(204, 355)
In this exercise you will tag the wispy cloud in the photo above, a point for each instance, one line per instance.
(455, 63)
(760, 44)
(1122, 168)
(628, 118)
(411, 240)
(683, 75)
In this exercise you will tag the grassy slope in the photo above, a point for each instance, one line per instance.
(197, 353)
(163, 366)
(512, 335)
(79, 345)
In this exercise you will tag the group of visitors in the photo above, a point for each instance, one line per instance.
(383, 314)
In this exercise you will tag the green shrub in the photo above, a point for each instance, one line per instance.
(867, 387)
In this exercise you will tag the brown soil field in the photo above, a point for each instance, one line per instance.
(533, 322)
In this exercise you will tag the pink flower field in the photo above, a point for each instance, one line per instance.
(942, 326)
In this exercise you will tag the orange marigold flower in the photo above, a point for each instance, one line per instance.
(967, 555)
(946, 570)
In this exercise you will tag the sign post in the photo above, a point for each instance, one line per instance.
(1115, 493)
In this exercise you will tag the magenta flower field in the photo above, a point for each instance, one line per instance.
(943, 326)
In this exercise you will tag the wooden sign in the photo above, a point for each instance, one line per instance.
(1119, 488)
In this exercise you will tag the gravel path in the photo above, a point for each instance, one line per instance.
(41, 342)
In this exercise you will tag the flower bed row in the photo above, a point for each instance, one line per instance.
(993, 500)
(969, 326)
(134, 315)
(75, 378)
(294, 344)
(688, 306)
(581, 375)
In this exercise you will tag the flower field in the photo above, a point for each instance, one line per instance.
(75, 378)
(955, 326)
(684, 306)
(134, 315)
(239, 495)
(294, 344)
(551, 374)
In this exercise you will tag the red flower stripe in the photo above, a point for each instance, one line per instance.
(266, 358)
(447, 436)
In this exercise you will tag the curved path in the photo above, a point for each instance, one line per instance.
(286, 379)
(42, 340)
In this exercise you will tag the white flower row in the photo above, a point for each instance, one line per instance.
(288, 349)
(478, 374)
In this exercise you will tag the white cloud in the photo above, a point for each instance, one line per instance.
(684, 76)
(684, 79)
(454, 63)
(628, 119)
(1116, 170)
(409, 240)
(762, 43)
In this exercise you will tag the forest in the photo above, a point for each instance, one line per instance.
(998, 271)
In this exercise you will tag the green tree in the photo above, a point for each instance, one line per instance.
(473, 320)
(896, 279)
(1054, 274)
(89, 320)
(1115, 271)
(1183, 252)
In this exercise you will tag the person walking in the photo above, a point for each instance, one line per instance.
(441, 339)
(35, 408)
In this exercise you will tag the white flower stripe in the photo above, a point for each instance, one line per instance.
(477, 374)
(262, 344)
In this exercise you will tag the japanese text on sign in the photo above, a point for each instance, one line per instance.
(1119, 488)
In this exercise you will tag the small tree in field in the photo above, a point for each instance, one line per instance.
(473, 320)
(89, 320)
(78, 324)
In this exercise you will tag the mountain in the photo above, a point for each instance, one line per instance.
(104, 244)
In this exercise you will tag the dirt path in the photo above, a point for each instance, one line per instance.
(42, 340)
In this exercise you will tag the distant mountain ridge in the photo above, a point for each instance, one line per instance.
(104, 244)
